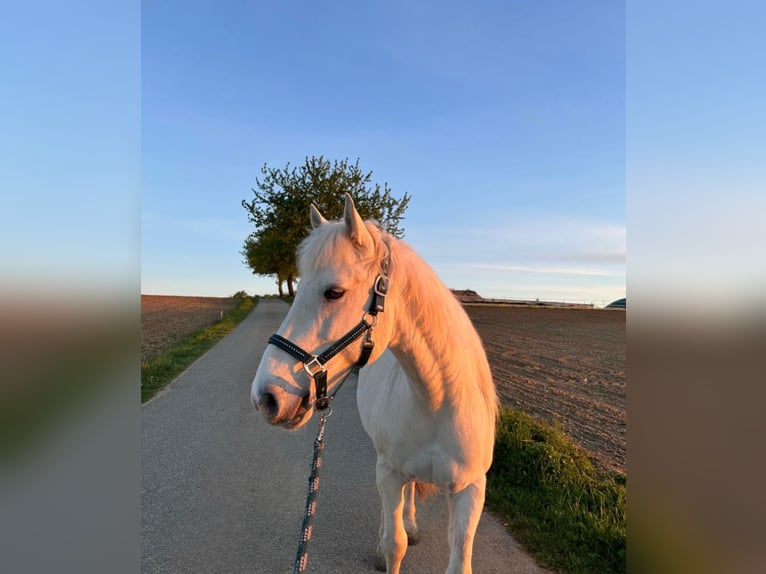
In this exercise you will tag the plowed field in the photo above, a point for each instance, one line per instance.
(564, 366)
(166, 319)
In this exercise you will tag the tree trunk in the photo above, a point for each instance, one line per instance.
(279, 283)
(290, 287)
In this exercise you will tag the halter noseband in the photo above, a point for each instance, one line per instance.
(314, 364)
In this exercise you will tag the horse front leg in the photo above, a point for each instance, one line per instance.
(464, 512)
(380, 560)
(410, 522)
(393, 540)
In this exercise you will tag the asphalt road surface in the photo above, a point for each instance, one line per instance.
(223, 492)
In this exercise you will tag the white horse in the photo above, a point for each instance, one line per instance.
(426, 397)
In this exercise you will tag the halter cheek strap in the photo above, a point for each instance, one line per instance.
(314, 365)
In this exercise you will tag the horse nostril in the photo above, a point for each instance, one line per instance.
(268, 406)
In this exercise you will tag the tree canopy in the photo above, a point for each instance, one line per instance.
(280, 206)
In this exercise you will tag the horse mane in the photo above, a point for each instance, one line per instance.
(441, 327)
(450, 334)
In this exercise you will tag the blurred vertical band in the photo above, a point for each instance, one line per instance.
(697, 286)
(69, 287)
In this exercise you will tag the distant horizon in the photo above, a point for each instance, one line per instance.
(259, 285)
(500, 299)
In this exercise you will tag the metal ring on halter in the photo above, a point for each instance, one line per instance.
(327, 413)
(372, 323)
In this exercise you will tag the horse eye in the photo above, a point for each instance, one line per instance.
(334, 293)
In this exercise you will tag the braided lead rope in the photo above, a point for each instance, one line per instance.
(302, 557)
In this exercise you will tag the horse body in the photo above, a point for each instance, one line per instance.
(429, 404)
(426, 398)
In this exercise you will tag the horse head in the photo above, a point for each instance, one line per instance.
(340, 264)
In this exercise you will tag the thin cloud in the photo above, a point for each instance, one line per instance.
(540, 270)
(553, 231)
(610, 258)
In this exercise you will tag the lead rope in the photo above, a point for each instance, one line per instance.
(302, 558)
(314, 366)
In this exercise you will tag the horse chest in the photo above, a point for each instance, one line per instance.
(419, 444)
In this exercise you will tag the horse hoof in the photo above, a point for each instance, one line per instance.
(413, 537)
(380, 563)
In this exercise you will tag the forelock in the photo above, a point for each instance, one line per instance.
(327, 243)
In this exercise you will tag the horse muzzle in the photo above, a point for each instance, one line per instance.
(281, 405)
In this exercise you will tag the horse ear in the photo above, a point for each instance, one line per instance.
(317, 218)
(357, 231)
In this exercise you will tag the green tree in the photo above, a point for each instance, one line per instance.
(266, 254)
(280, 206)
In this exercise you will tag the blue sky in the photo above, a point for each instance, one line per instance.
(70, 147)
(504, 121)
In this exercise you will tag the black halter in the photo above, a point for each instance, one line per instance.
(314, 364)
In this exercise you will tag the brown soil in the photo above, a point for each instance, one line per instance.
(564, 366)
(166, 319)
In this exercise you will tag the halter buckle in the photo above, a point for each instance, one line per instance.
(313, 367)
(381, 285)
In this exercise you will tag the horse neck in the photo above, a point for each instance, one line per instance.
(433, 338)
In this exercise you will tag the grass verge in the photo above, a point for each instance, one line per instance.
(569, 515)
(158, 372)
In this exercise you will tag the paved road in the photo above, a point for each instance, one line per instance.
(223, 492)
